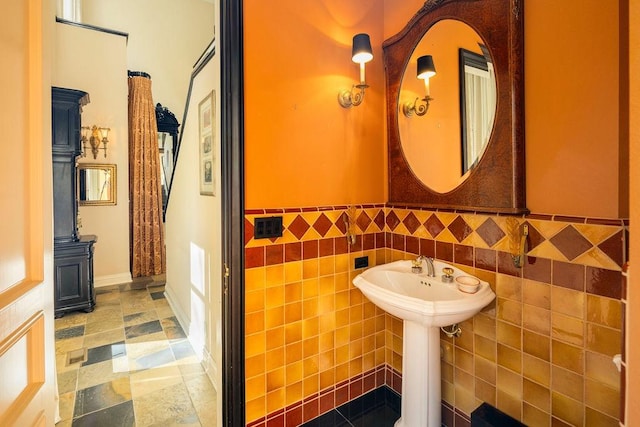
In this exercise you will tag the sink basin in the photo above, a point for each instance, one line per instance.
(424, 304)
(419, 298)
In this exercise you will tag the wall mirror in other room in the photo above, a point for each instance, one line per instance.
(168, 148)
(97, 184)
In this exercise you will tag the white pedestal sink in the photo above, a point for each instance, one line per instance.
(424, 304)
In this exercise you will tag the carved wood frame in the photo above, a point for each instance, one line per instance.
(497, 183)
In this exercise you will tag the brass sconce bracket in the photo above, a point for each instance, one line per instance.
(353, 97)
(417, 108)
(94, 136)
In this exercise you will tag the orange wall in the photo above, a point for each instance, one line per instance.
(303, 149)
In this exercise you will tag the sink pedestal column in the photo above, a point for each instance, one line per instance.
(421, 402)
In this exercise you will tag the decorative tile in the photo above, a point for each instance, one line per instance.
(460, 229)
(411, 222)
(613, 246)
(607, 283)
(434, 226)
(363, 221)
(534, 238)
(248, 231)
(379, 220)
(570, 242)
(392, 220)
(568, 275)
(322, 224)
(298, 227)
(490, 232)
(341, 222)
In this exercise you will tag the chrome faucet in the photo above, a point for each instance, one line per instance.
(417, 265)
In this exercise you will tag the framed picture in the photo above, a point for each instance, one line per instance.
(206, 138)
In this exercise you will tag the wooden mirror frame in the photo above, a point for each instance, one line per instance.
(113, 184)
(497, 183)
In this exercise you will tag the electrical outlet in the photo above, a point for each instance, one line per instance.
(267, 227)
(362, 262)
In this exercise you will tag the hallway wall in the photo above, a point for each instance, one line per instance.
(193, 235)
(106, 84)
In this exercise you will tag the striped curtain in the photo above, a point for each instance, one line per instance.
(147, 240)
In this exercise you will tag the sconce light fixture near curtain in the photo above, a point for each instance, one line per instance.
(94, 136)
(426, 70)
(361, 54)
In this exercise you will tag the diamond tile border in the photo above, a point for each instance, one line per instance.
(585, 241)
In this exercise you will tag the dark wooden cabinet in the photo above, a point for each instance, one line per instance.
(72, 253)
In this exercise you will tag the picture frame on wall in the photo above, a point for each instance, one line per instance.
(206, 138)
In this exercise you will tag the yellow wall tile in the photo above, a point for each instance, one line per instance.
(509, 287)
(536, 319)
(536, 293)
(464, 360)
(509, 334)
(274, 317)
(602, 398)
(567, 329)
(594, 418)
(276, 399)
(568, 383)
(485, 348)
(274, 275)
(600, 368)
(254, 278)
(567, 409)
(485, 392)
(509, 311)
(536, 345)
(293, 372)
(536, 395)
(293, 271)
(568, 356)
(509, 404)
(604, 311)
(485, 326)
(275, 379)
(255, 387)
(536, 370)
(567, 301)
(533, 416)
(603, 340)
(509, 382)
(293, 292)
(509, 358)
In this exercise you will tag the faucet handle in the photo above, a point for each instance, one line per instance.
(448, 274)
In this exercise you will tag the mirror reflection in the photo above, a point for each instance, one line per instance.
(96, 184)
(444, 145)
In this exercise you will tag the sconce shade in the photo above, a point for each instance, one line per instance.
(426, 67)
(361, 52)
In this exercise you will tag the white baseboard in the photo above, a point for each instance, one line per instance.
(211, 369)
(197, 343)
(111, 279)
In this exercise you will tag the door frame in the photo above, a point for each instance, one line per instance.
(232, 145)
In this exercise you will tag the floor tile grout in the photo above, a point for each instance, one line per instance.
(153, 361)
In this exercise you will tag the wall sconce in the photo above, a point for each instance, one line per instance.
(94, 135)
(426, 70)
(361, 54)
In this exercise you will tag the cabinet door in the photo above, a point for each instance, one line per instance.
(72, 281)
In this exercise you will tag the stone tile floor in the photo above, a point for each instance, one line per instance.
(129, 363)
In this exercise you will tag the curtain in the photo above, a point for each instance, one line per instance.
(147, 240)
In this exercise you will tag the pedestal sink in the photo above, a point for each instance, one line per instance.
(424, 304)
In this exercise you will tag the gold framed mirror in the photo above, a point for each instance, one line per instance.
(494, 180)
(97, 184)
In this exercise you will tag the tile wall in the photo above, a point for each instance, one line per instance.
(541, 352)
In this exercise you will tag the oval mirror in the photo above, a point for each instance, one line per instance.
(488, 165)
(443, 145)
